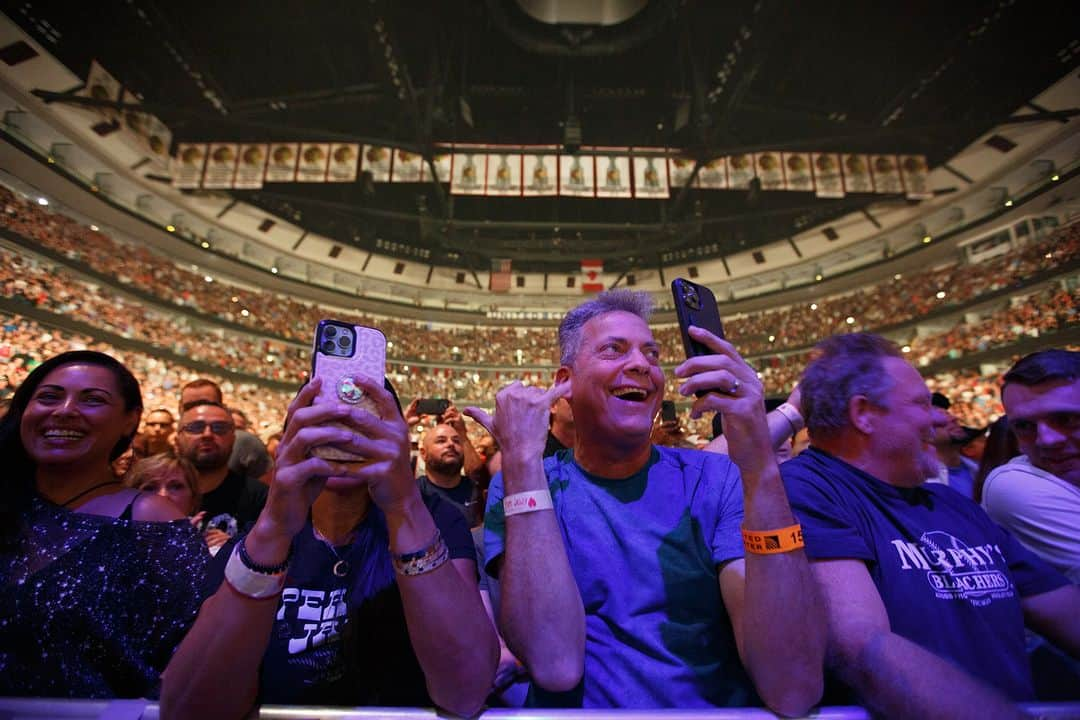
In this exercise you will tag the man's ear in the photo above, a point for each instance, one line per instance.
(861, 414)
(562, 375)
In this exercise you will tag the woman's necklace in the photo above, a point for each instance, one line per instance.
(342, 566)
(89, 490)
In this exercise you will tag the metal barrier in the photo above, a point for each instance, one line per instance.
(35, 708)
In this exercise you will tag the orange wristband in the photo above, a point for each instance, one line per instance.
(771, 542)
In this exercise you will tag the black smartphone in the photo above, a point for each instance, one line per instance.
(667, 411)
(431, 406)
(695, 305)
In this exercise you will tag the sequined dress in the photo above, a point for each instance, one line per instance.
(93, 606)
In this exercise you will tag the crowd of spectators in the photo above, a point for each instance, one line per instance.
(276, 348)
(905, 298)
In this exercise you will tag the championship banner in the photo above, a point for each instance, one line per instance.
(577, 175)
(100, 85)
(886, 174)
(314, 158)
(344, 162)
(857, 174)
(769, 170)
(443, 162)
(408, 167)
(650, 176)
(470, 171)
(504, 174)
(797, 175)
(221, 166)
(740, 171)
(590, 272)
(828, 182)
(281, 165)
(541, 169)
(150, 133)
(613, 174)
(680, 168)
(377, 161)
(499, 280)
(252, 166)
(187, 166)
(713, 174)
(915, 174)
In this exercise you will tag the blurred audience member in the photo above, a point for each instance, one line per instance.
(173, 478)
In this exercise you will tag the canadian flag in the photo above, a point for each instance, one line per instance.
(590, 280)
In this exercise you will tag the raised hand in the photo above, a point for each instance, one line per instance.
(737, 393)
(520, 423)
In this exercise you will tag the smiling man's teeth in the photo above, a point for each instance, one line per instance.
(74, 434)
(629, 393)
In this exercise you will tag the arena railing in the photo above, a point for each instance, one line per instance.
(33, 708)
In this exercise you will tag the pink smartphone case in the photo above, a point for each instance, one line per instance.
(338, 384)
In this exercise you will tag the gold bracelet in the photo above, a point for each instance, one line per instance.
(771, 542)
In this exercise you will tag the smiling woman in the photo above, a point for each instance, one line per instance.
(74, 541)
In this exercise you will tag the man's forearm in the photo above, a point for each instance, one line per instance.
(783, 619)
(541, 618)
(898, 678)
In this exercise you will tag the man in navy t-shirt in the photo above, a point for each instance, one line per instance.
(926, 596)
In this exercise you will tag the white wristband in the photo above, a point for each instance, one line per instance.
(526, 502)
(247, 582)
(794, 417)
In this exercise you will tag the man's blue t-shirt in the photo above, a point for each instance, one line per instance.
(950, 578)
(645, 552)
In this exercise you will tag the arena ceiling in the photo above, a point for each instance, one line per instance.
(712, 77)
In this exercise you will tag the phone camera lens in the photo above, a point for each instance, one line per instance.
(330, 331)
(692, 300)
(344, 341)
(328, 346)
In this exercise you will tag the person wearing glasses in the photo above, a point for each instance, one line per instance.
(231, 501)
(159, 427)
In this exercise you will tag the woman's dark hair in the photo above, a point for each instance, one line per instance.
(18, 467)
(1000, 448)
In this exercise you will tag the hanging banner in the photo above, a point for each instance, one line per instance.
(680, 168)
(314, 158)
(857, 174)
(650, 176)
(828, 182)
(220, 166)
(915, 174)
(100, 85)
(282, 163)
(613, 175)
(577, 175)
(504, 174)
(740, 171)
(713, 175)
(252, 167)
(187, 166)
(886, 174)
(150, 134)
(590, 276)
(797, 175)
(377, 159)
(443, 162)
(344, 162)
(541, 169)
(470, 171)
(408, 166)
(769, 170)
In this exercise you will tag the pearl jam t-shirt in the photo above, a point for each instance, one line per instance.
(950, 578)
(343, 640)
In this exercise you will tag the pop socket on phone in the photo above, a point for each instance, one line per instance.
(348, 391)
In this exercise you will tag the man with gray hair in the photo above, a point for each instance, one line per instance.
(642, 576)
(925, 595)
